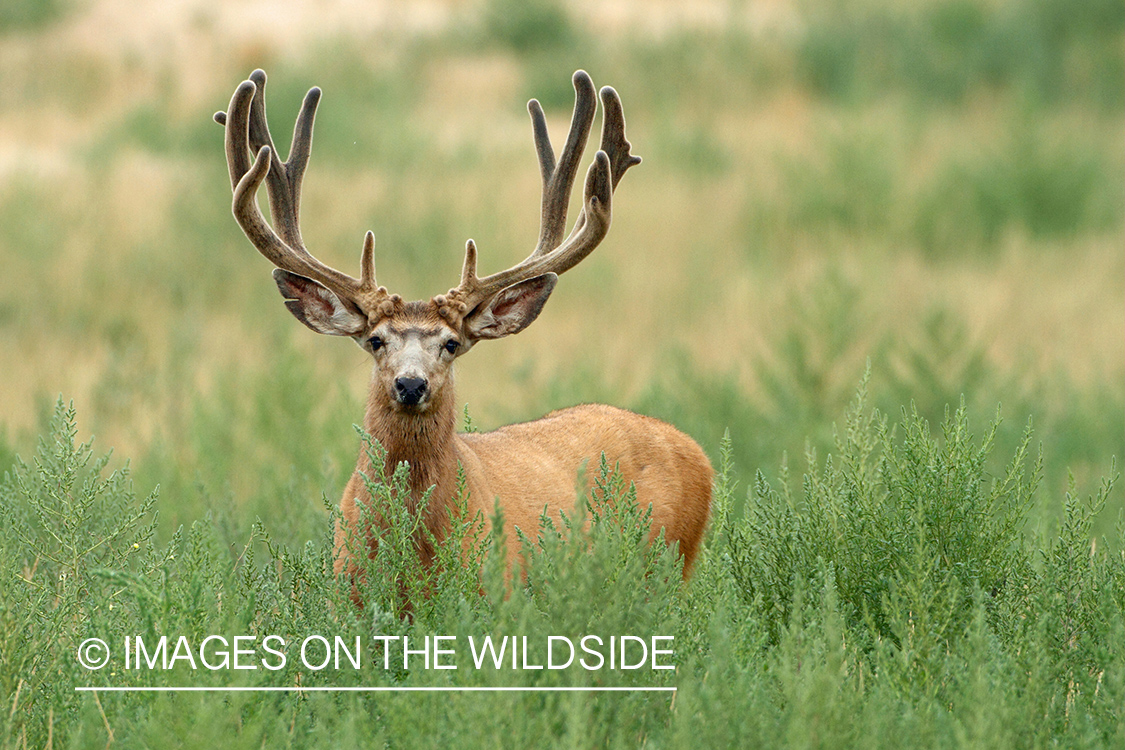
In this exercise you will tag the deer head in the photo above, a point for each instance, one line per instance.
(415, 343)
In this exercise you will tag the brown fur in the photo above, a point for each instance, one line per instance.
(531, 467)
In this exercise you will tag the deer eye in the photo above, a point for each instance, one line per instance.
(452, 345)
(376, 343)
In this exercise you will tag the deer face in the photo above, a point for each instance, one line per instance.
(414, 352)
(414, 346)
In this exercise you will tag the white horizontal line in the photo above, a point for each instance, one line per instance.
(320, 689)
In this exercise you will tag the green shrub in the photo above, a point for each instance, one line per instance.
(897, 595)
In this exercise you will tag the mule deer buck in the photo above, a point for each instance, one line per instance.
(411, 410)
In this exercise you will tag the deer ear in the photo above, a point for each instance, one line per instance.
(317, 306)
(512, 309)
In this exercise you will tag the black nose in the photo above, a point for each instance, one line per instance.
(410, 390)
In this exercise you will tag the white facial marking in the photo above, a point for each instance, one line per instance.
(407, 352)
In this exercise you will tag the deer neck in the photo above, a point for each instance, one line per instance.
(425, 442)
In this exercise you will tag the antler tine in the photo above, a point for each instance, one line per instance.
(367, 262)
(246, 128)
(614, 142)
(238, 158)
(469, 267)
(559, 178)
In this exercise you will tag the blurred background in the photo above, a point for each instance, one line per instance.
(934, 187)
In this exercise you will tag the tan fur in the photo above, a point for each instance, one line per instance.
(531, 467)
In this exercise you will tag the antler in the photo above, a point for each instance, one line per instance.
(550, 255)
(246, 132)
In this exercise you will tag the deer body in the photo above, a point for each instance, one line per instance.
(531, 468)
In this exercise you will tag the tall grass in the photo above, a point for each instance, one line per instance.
(890, 593)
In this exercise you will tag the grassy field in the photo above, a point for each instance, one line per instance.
(923, 202)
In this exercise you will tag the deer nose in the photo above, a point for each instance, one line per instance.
(410, 391)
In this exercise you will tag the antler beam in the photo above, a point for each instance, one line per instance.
(247, 132)
(551, 253)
